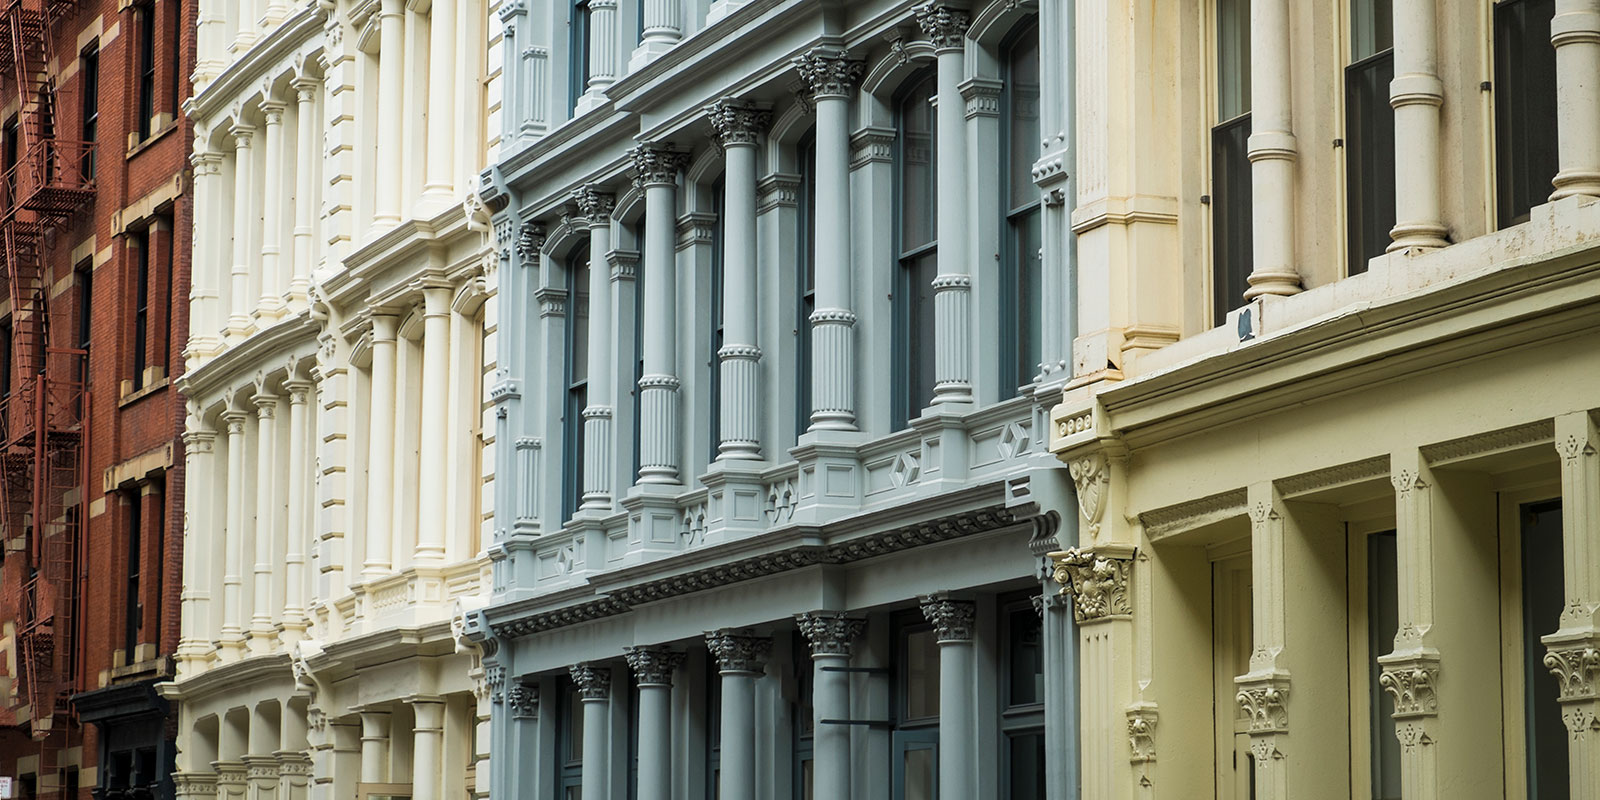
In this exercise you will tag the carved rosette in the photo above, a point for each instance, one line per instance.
(830, 632)
(593, 680)
(652, 666)
(530, 240)
(657, 164)
(595, 205)
(524, 701)
(739, 651)
(737, 121)
(829, 71)
(1098, 584)
(1265, 703)
(1411, 684)
(1142, 734)
(946, 27)
(1092, 478)
(951, 619)
(1576, 668)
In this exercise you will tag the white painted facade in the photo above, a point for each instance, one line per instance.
(343, 321)
(702, 583)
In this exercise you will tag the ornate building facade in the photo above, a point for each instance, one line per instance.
(773, 491)
(343, 321)
(1332, 412)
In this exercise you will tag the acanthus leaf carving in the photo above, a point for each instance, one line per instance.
(1098, 584)
(1092, 477)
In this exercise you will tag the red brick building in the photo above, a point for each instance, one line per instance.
(94, 246)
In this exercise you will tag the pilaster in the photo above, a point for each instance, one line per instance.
(657, 167)
(1573, 655)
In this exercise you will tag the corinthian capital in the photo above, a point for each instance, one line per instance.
(737, 121)
(738, 651)
(830, 632)
(530, 240)
(951, 619)
(593, 680)
(657, 164)
(946, 27)
(652, 666)
(595, 205)
(829, 71)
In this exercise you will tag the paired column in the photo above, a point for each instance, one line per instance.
(380, 441)
(602, 52)
(206, 282)
(375, 746)
(232, 635)
(652, 669)
(243, 206)
(594, 691)
(307, 158)
(427, 749)
(741, 658)
(1574, 649)
(952, 300)
(438, 182)
(739, 125)
(1575, 32)
(274, 281)
(261, 630)
(391, 111)
(596, 207)
(199, 532)
(434, 461)
(663, 27)
(831, 634)
(1416, 93)
(299, 528)
(832, 78)
(657, 167)
(1272, 152)
(952, 626)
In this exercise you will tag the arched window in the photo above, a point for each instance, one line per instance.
(1022, 268)
(916, 244)
(577, 379)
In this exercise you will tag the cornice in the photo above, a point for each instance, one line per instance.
(243, 359)
(242, 76)
(229, 677)
(404, 248)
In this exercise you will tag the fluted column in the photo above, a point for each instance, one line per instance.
(1416, 93)
(427, 747)
(831, 634)
(952, 624)
(298, 531)
(596, 207)
(438, 183)
(663, 27)
(1575, 32)
(741, 658)
(657, 167)
(380, 443)
(244, 199)
(199, 532)
(1574, 649)
(374, 746)
(391, 108)
(594, 691)
(739, 125)
(306, 196)
(602, 52)
(1272, 152)
(274, 278)
(832, 77)
(952, 299)
(432, 454)
(205, 287)
(262, 632)
(652, 669)
(231, 639)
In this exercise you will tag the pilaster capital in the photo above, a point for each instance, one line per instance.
(199, 441)
(652, 665)
(524, 701)
(595, 204)
(266, 405)
(951, 619)
(272, 112)
(1410, 681)
(944, 25)
(1264, 699)
(829, 71)
(736, 121)
(384, 327)
(1097, 579)
(530, 240)
(243, 135)
(1576, 667)
(657, 164)
(1142, 718)
(593, 680)
(234, 420)
(831, 633)
(306, 88)
(739, 651)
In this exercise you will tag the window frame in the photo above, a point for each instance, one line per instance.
(1228, 271)
(1013, 367)
(89, 103)
(145, 105)
(805, 276)
(1021, 719)
(1512, 159)
(140, 241)
(133, 549)
(572, 389)
(905, 317)
(715, 332)
(578, 60)
(568, 739)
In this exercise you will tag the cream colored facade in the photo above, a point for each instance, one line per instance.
(1410, 449)
(343, 323)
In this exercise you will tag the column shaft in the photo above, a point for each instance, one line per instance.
(232, 634)
(199, 532)
(439, 182)
(298, 531)
(952, 303)
(427, 750)
(1416, 95)
(374, 747)
(740, 354)
(274, 278)
(738, 735)
(662, 29)
(239, 298)
(380, 441)
(1272, 152)
(1572, 649)
(433, 466)
(306, 195)
(602, 47)
(655, 747)
(658, 387)
(598, 414)
(594, 690)
(205, 321)
(1575, 32)
(831, 634)
(261, 631)
(391, 111)
(952, 623)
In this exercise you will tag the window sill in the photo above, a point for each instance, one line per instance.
(135, 148)
(130, 396)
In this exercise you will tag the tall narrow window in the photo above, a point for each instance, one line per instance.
(713, 731)
(1542, 601)
(1524, 107)
(638, 349)
(5, 358)
(85, 281)
(10, 154)
(916, 161)
(1231, 257)
(1022, 702)
(1023, 266)
(569, 740)
(1369, 132)
(800, 710)
(1383, 620)
(139, 241)
(89, 70)
(131, 613)
(806, 272)
(147, 68)
(714, 314)
(174, 33)
(577, 373)
(578, 46)
(914, 742)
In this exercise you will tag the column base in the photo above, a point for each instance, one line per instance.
(723, 8)
(1416, 237)
(239, 328)
(591, 100)
(435, 200)
(648, 50)
(263, 635)
(1571, 183)
(655, 526)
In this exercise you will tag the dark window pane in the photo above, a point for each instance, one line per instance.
(1022, 116)
(578, 65)
(1369, 158)
(1024, 290)
(1383, 619)
(918, 166)
(921, 674)
(1027, 766)
(579, 320)
(807, 272)
(920, 774)
(714, 315)
(1525, 106)
(1233, 58)
(1542, 601)
(1027, 657)
(1371, 27)
(917, 328)
(1231, 237)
